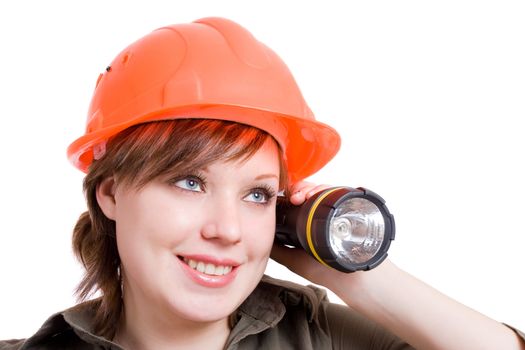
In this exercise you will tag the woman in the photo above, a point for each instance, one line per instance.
(192, 132)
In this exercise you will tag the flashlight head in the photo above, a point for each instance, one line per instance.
(345, 228)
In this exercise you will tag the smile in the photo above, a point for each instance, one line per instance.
(208, 268)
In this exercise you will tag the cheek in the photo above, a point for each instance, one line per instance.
(149, 229)
(259, 228)
(154, 216)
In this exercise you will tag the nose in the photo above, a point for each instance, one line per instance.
(223, 223)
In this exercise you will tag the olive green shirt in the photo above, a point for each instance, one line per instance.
(277, 315)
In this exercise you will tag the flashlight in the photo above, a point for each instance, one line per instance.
(349, 229)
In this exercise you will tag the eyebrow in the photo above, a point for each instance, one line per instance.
(265, 176)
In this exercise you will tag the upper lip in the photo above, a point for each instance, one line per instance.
(211, 259)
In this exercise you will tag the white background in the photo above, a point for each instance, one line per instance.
(428, 97)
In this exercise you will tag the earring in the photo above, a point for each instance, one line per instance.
(119, 276)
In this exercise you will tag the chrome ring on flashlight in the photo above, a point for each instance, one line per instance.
(349, 229)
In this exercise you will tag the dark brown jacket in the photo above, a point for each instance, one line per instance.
(277, 315)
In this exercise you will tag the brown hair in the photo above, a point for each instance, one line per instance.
(136, 156)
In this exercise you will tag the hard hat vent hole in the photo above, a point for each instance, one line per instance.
(108, 69)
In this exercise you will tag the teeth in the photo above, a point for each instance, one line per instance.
(207, 268)
(210, 269)
(200, 266)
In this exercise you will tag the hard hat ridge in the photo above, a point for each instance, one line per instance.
(241, 42)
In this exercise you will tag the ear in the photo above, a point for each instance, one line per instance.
(106, 197)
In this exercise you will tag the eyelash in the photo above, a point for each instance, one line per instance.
(267, 191)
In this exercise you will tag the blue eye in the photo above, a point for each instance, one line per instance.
(190, 184)
(257, 197)
(260, 195)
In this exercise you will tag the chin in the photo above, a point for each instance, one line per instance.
(204, 312)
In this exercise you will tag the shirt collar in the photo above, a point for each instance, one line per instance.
(263, 309)
(266, 306)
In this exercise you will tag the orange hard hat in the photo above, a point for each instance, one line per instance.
(212, 68)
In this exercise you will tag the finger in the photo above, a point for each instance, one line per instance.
(300, 197)
(303, 190)
(301, 186)
(299, 190)
(316, 189)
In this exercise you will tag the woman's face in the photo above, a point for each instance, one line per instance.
(196, 246)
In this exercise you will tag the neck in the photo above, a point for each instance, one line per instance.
(146, 327)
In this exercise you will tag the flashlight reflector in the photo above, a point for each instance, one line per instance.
(357, 230)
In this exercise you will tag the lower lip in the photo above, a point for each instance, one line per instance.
(210, 281)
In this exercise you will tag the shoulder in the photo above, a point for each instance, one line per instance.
(54, 333)
(12, 344)
(62, 330)
(50, 335)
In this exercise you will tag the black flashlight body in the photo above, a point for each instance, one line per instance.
(308, 226)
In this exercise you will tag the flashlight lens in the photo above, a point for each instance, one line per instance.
(357, 230)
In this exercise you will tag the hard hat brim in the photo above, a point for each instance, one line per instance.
(307, 144)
